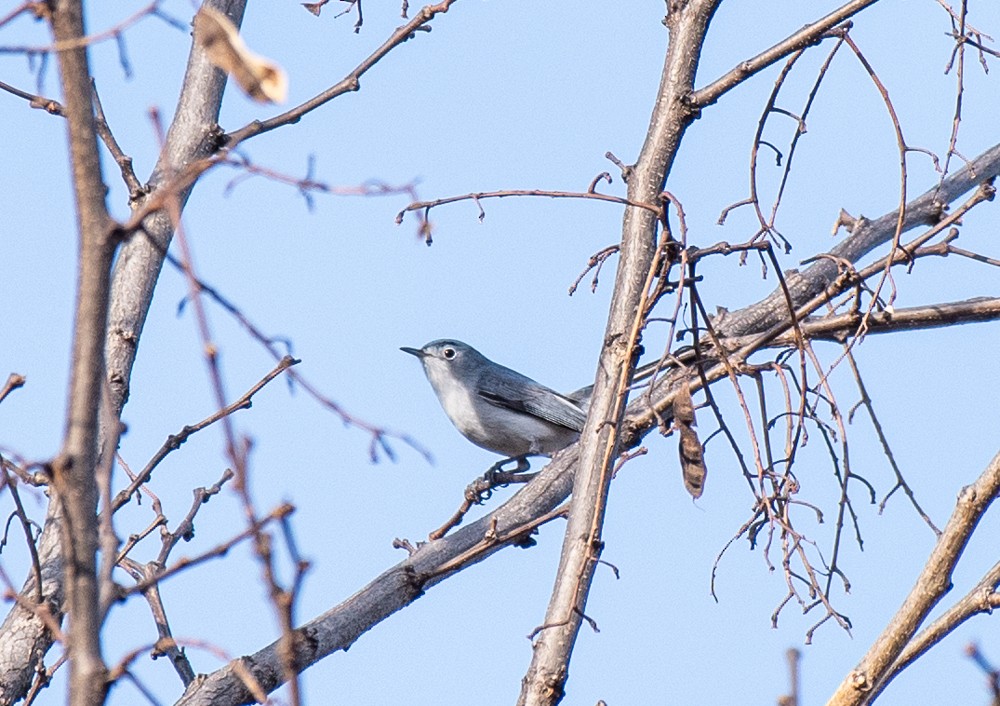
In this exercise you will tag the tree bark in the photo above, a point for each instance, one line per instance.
(545, 679)
(24, 638)
(74, 469)
(874, 672)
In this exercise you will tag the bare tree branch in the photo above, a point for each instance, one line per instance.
(192, 136)
(983, 598)
(74, 469)
(641, 262)
(49, 105)
(811, 34)
(866, 235)
(23, 639)
(839, 327)
(653, 264)
(875, 670)
(351, 82)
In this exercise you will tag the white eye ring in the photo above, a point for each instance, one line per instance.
(448, 353)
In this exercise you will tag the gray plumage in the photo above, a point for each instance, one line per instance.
(495, 407)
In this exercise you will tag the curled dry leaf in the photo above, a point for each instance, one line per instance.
(691, 452)
(260, 78)
(315, 7)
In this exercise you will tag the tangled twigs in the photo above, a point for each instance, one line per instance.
(218, 551)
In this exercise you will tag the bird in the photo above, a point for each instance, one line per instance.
(497, 408)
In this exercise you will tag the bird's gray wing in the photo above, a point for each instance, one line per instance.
(522, 394)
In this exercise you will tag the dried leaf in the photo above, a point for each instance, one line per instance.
(261, 79)
(684, 407)
(689, 446)
(692, 462)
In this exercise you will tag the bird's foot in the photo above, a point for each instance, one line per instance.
(497, 477)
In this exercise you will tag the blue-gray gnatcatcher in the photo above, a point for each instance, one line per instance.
(497, 408)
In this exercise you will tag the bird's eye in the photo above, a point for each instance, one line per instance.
(448, 353)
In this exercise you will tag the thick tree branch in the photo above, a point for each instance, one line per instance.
(983, 598)
(24, 637)
(841, 327)
(640, 261)
(74, 470)
(24, 640)
(870, 677)
(193, 135)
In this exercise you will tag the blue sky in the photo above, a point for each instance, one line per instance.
(506, 95)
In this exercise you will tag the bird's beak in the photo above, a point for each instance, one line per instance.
(413, 351)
